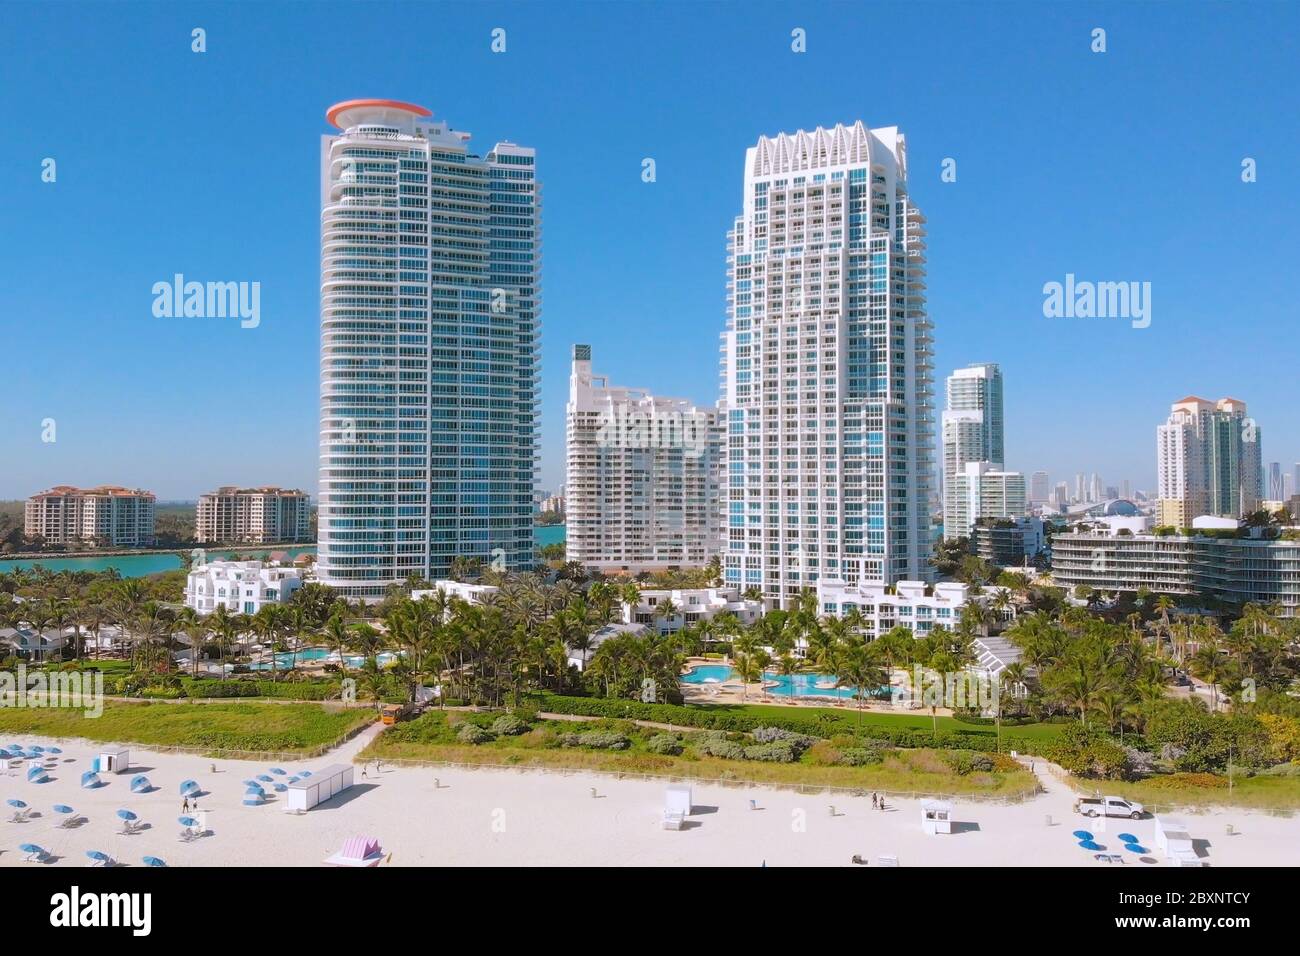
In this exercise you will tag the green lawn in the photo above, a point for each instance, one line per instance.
(433, 738)
(248, 726)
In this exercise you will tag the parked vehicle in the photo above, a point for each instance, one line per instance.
(1109, 807)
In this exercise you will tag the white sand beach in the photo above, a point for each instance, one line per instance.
(506, 817)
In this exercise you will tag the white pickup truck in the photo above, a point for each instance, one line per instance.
(1109, 807)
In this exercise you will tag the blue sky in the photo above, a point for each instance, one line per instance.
(1122, 166)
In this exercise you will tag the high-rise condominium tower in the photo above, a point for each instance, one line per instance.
(1208, 461)
(1040, 488)
(826, 364)
(642, 478)
(430, 258)
(973, 429)
(1275, 490)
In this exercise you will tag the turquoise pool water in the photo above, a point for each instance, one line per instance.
(284, 660)
(795, 685)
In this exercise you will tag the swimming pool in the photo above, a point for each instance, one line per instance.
(779, 685)
(284, 660)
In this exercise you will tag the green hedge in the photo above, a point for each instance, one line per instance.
(816, 726)
(289, 690)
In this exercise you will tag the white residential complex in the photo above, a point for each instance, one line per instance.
(975, 484)
(912, 604)
(642, 479)
(1208, 461)
(669, 610)
(827, 367)
(107, 516)
(430, 260)
(242, 587)
(978, 491)
(255, 515)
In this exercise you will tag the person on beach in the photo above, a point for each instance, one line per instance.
(185, 805)
(874, 800)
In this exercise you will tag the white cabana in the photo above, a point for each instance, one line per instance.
(936, 816)
(1173, 838)
(319, 787)
(112, 761)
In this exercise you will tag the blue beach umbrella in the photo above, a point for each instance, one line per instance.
(304, 773)
(62, 808)
(1137, 848)
(31, 848)
(54, 750)
(187, 821)
(188, 787)
(293, 779)
(264, 778)
(38, 750)
(1089, 845)
(140, 783)
(1127, 838)
(280, 788)
(98, 856)
(16, 804)
(126, 815)
(36, 775)
(277, 771)
(16, 747)
(153, 861)
(250, 783)
(90, 780)
(1082, 834)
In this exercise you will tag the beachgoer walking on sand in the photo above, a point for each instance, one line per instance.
(363, 771)
(185, 805)
(875, 802)
(882, 804)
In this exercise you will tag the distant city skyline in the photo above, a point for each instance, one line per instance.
(149, 185)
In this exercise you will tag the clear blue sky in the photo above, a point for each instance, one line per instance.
(1116, 166)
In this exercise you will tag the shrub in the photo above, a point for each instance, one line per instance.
(860, 756)
(778, 751)
(797, 741)
(508, 725)
(964, 762)
(600, 740)
(717, 744)
(469, 733)
(667, 745)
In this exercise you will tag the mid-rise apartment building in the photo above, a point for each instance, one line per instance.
(107, 516)
(1208, 461)
(642, 481)
(979, 490)
(252, 515)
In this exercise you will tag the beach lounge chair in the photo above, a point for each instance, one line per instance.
(887, 859)
(34, 853)
(357, 851)
(674, 820)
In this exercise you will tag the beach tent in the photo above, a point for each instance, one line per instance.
(327, 783)
(357, 851)
(936, 816)
(90, 780)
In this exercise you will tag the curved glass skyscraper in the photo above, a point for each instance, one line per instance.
(430, 258)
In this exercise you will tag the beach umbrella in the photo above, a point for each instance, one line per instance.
(153, 861)
(1136, 848)
(54, 750)
(1089, 845)
(250, 783)
(36, 775)
(1084, 835)
(277, 771)
(16, 747)
(38, 750)
(280, 788)
(264, 778)
(187, 821)
(16, 804)
(62, 808)
(126, 815)
(188, 787)
(98, 856)
(140, 783)
(304, 773)
(1127, 838)
(90, 780)
(30, 848)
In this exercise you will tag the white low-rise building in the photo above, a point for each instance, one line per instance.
(690, 606)
(469, 593)
(913, 604)
(244, 587)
